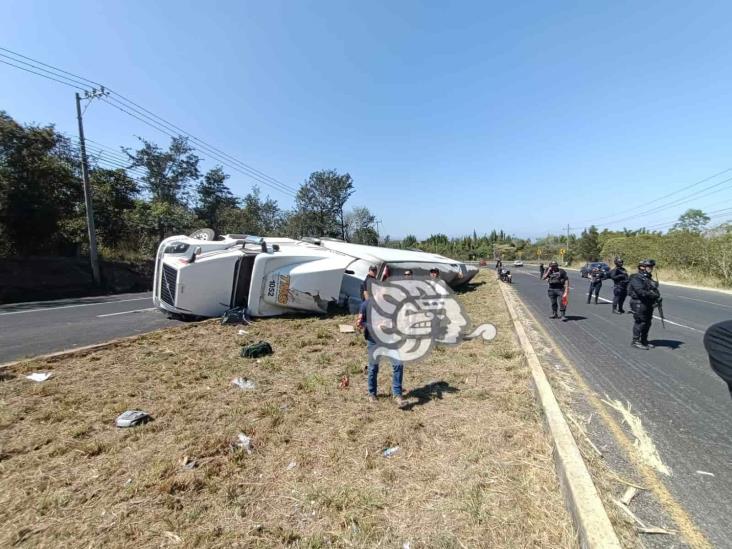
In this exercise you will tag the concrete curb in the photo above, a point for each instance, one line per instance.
(580, 494)
(86, 349)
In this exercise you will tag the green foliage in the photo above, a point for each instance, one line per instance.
(38, 188)
(360, 227)
(319, 205)
(693, 221)
(213, 196)
(588, 246)
(169, 174)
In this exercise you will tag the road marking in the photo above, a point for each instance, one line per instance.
(128, 312)
(650, 477)
(77, 305)
(704, 301)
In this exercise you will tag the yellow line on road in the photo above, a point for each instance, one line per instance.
(684, 522)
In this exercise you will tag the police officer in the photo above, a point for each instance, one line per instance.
(558, 287)
(541, 270)
(620, 291)
(595, 277)
(644, 295)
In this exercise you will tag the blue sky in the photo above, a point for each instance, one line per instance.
(450, 118)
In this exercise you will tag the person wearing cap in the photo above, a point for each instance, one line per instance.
(434, 273)
(365, 284)
(718, 343)
(620, 279)
(644, 295)
(558, 289)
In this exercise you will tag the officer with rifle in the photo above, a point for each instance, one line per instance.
(644, 296)
(620, 290)
(595, 276)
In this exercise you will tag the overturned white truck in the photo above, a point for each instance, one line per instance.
(275, 276)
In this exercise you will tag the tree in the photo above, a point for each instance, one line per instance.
(320, 202)
(39, 188)
(360, 227)
(114, 194)
(212, 196)
(588, 245)
(409, 241)
(692, 220)
(256, 216)
(169, 174)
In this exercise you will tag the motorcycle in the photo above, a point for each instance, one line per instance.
(505, 276)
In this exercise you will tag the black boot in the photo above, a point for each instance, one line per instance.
(595, 300)
(638, 345)
(554, 315)
(648, 345)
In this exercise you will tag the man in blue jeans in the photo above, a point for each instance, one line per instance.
(373, 364)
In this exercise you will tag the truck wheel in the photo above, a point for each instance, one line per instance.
(203, 234)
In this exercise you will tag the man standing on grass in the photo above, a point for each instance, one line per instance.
(373, 362)
(558, 289)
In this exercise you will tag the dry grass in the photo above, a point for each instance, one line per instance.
(474, 466)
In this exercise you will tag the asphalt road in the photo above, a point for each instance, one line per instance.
(30, 329)
(684, 406)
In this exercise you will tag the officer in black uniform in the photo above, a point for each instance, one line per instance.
(595, 277)
(541, 270)
(644, 295)
(620, 290)
(558, 285)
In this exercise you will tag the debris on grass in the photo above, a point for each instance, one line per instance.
(479, 471)
(132, 418)
(344, 383)
(391, 451)
(242, 332)
(244, 443)
(291, 465)
(39, 376)
(256, 350)
(707, 473)
(629, 494)
(346, 329)
(244, 384)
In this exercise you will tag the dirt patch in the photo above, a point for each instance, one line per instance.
(474, 467)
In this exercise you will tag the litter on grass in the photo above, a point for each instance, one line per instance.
(242, 332)
(391, 451)
(346, 329)
(344, 383)
(244, 383)
(291, 466)
(39, 376)
(707, 473)
(245, 443)
(132, 418)
(256, 350)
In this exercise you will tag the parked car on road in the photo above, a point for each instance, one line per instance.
(518, 263)
(604, 267)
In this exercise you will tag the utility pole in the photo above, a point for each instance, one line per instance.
(567, 237)
(93, 256)
(378, 227)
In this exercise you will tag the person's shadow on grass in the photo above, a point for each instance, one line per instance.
(429, 392)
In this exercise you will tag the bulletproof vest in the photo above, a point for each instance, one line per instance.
(555, 277)
(648, 284)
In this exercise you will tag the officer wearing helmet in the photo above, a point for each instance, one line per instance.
(558, 288)
(644, 295)
(620, 291)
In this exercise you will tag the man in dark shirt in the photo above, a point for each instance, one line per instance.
(541, 270)
(620, 291)
(373, 364)
(558, 289)
(365, 284)
(644, 296)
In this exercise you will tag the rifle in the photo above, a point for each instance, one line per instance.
(659, 303)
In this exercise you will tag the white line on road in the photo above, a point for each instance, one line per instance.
(77, 305)
(705, 301)
(127, 312)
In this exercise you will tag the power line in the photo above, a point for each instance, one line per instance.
(155, 121)
(658, 199)
(44, 76)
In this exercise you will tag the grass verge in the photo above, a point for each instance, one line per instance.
(474, 466)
